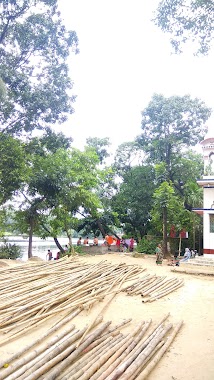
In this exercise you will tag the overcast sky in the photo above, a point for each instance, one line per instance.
(124, 59)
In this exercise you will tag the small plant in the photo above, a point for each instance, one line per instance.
(10, 251)
(147, 246)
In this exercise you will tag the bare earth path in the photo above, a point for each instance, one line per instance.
(191, 355)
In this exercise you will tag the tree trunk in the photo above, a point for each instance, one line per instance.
(58, 245)
(30, 240)
(100, 226)
(165, 253)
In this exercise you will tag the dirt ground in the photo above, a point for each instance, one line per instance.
(191, 355)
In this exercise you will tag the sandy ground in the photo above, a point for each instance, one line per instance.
(192, 352)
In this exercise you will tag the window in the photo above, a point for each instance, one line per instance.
(212, 223)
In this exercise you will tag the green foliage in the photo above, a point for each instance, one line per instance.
(100, 146)
(187, 20)
(147, 246)
(3, 90)
(171, 124)
(133, 202)
(34, 48)
(128, 154)
(12, 166)
(10, 251)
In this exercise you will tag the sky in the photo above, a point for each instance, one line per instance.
(124, 59)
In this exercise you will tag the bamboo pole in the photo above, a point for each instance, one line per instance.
(67, 358)
(137, 361)
(162, 294)
(145, 373)
(117, 358)
(30, 355)
(39, 340)
(139, 369)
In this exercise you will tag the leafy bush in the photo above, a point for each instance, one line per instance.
(72, 250)
(147, 246)
(10, 251)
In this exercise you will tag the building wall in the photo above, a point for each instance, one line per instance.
(208, 236)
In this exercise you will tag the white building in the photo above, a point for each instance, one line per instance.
(208, 197)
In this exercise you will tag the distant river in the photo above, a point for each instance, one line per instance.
(40, 246)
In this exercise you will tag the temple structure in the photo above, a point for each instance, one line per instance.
(207, 182)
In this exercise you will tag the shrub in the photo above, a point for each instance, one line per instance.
(147, 246)
(10, 251)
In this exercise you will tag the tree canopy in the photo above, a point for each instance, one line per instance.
(187, 20)
(172, 124)
(34, 48)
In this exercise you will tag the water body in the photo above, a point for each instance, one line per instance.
(40, 247)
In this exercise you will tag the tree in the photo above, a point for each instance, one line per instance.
(133, 202)
(128, 154)
(34, 48)
(59, 185)
(187, 20)
(12, 166)
(170, 126)
(100, 145)
(2, 91)
(167, 211)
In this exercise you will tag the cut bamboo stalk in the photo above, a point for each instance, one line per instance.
(67, 358)
(145, 373)
(89, 367)
(40, 339)
(142, 345)
(171, 289)
(32, 354)
(117, 358)
(139, 369)
(157, 285)
(139, 360)
(77, 365)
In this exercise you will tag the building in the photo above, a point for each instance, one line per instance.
(207, 182)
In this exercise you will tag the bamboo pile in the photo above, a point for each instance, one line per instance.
(152, 287)
(31, 294)
(104, 354)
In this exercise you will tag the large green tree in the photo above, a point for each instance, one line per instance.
(59, 185)
(187, 20)
(34, 48)
(13, 167)
(170, 125)
(133, 202)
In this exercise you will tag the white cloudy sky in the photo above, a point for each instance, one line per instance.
(124, 59)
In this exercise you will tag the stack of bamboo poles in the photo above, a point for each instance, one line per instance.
(104, 353)
(152, 287)
(29, 295)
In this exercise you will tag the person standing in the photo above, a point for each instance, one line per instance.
(159, 254)
(79, 241)
(131, 244)
(118, 245)
(49, 255)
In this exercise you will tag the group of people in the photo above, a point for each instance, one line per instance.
(122, 245)
(49, 255)
(86, 241)
(188, 253)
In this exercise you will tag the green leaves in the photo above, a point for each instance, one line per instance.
(187, 20)
(170, 125)
(12, 167)
(34, 48)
